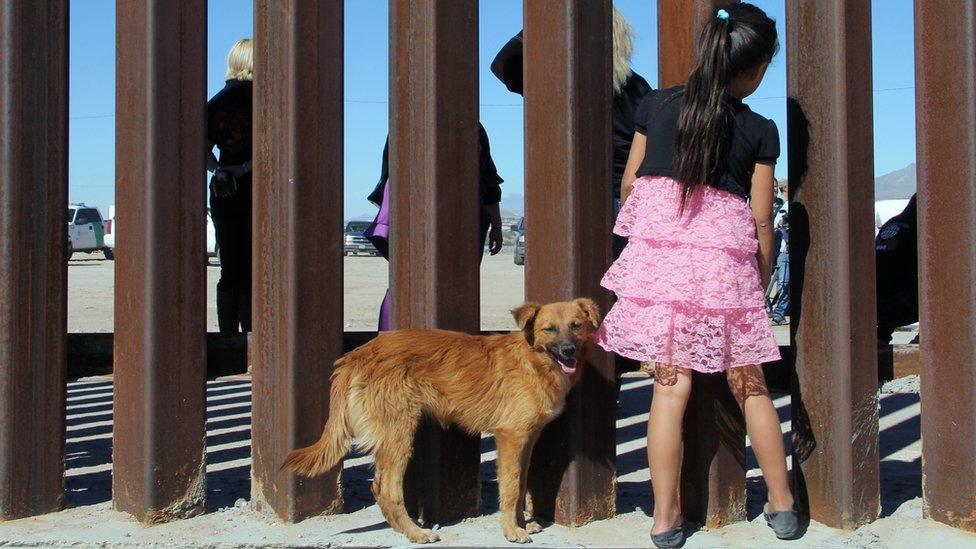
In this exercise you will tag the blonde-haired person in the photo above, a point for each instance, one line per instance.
(229, 129)
(629, 88)
(240, 61)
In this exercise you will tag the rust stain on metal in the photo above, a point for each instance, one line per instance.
(945, 78)
(33, 270)
(568, 222)
(835, 408)
(678, 22)
(434, 274)
(713, 471)
(298, 128)
(191, 504)
(160, 346)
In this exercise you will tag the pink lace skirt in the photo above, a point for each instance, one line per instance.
(688, 287)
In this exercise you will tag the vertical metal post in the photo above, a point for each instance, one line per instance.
(945, 78)
(713, 475)
(831, 173)
(678, 22)
(434, 276)
(568, 221)
(33, 271)
(160, 346)
(298, 124)
(713, 471)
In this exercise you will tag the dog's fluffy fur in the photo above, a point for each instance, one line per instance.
(511, 385)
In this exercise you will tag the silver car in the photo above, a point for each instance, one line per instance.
(353, 241)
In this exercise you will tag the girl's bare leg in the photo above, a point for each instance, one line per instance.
(672, 386)
(749, 387)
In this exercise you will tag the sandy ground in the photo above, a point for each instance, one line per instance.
(91, 283)
(89, 520)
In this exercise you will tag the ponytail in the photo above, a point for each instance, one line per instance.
(706, 116)
(738, 39)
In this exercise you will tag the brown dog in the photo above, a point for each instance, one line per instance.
(511, 385)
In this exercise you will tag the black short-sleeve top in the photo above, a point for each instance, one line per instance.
(755, 140)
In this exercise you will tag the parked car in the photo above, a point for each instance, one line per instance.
(86, 231)
(354, 243)
(110, 229)
(519, 230)
(213, 250)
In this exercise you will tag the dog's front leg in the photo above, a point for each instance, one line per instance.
(510, 481)
(526, 509)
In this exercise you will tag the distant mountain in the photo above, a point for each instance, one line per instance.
(514, 204)
(897, 184)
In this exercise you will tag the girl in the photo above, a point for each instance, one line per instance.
(698, 191)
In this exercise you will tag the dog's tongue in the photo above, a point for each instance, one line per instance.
(569, 366)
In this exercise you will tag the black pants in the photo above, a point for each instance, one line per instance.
(232, 225)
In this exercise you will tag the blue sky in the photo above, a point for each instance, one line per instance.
(92, 87)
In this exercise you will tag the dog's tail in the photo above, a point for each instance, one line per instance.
(333, 445)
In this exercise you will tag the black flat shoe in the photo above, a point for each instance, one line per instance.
(785, 524)
(672, 538)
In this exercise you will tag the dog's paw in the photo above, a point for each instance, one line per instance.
(533, 527)
(517, 535)
(423, 536)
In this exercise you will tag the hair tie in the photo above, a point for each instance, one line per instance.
(722, 15)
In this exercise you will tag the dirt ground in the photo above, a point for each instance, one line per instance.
(89, 521)
(91, 283)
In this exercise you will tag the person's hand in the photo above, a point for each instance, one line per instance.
(495, 239)
(495, 234)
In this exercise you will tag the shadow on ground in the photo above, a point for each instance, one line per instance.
(88, 451)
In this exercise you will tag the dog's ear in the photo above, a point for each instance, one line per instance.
(525, 314)
(590, 309)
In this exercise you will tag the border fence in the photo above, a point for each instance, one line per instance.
(160, 344)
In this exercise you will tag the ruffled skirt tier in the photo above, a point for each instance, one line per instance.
(687, 284)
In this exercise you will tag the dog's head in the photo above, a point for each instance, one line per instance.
(559, 330)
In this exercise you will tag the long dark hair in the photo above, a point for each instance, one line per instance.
(737, 39)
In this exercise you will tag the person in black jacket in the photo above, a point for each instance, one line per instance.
(229, 129)
(489, 186)
(896, 261)
(491, 221)
(629, 89)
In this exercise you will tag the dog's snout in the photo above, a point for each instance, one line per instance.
(567, 350)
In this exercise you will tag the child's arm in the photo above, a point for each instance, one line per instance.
(762, 210)
(634, 160)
